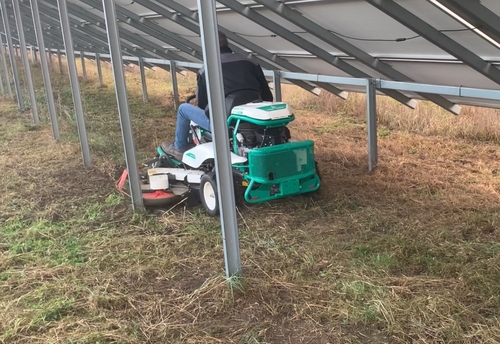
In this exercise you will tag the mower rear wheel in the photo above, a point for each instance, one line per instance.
(208, 194)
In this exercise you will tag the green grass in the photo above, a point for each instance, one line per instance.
(408, 254)
(30, 242)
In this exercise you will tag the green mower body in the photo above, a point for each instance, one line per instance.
(275, 171)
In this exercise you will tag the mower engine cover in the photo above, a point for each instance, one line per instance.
(263, 110)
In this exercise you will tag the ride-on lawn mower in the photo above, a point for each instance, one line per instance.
(267, 163)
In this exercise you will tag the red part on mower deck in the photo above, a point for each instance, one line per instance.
(155, 198)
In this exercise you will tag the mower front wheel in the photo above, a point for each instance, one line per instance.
(208, 194)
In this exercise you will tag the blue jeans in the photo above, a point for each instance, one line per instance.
(185, 114)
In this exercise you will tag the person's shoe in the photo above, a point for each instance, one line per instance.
(169, 148)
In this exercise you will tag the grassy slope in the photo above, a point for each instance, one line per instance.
(407, 254)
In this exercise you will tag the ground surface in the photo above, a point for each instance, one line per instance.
(408, 254)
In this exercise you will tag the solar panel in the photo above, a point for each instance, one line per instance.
(356, 22)
(492, 5)
(452, 28)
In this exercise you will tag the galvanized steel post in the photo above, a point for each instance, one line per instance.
(277, 85)
(122, 100)
(4, 67)
(12, 56)
(45, 69)
(175, 88)
(49, 59)
(216, 101)
(26, 62)
(75, 86)
(59, 61)
(99, 68)
(84, 69)
(371, 120)
(143, 80)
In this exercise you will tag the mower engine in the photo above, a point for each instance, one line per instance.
(257, 125)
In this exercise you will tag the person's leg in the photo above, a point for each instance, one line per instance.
(185, 114)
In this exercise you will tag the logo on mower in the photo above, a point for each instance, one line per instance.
(272, 107)
(191, 155)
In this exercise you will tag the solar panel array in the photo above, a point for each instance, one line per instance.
(447, 42)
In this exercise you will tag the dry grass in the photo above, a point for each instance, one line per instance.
(473, 123)
(409, 254)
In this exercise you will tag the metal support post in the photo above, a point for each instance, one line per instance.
(59, 61)
(26, 62)
(49, 59)
(175, 89)
(371, 120)
(99, 69)
(10, 46)
(2, 89)
(34, 54)
(45, 68)
(277, 85)
(84, 70)
(75, 86)
(4, 67)
(122, 100)
(216, 101)
(143, 80)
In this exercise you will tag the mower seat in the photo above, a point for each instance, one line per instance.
(234, 99)
(239, 98)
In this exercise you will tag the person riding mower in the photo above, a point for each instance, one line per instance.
(266, 162)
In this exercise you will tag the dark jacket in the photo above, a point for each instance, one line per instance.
(238, 73)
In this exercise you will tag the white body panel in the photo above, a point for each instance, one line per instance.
(197, 155)
(158, 181)
(193, 176)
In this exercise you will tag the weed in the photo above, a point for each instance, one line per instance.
(93, 211)
(113, 199)
(383, 133)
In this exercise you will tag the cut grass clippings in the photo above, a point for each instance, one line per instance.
(407, 254)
